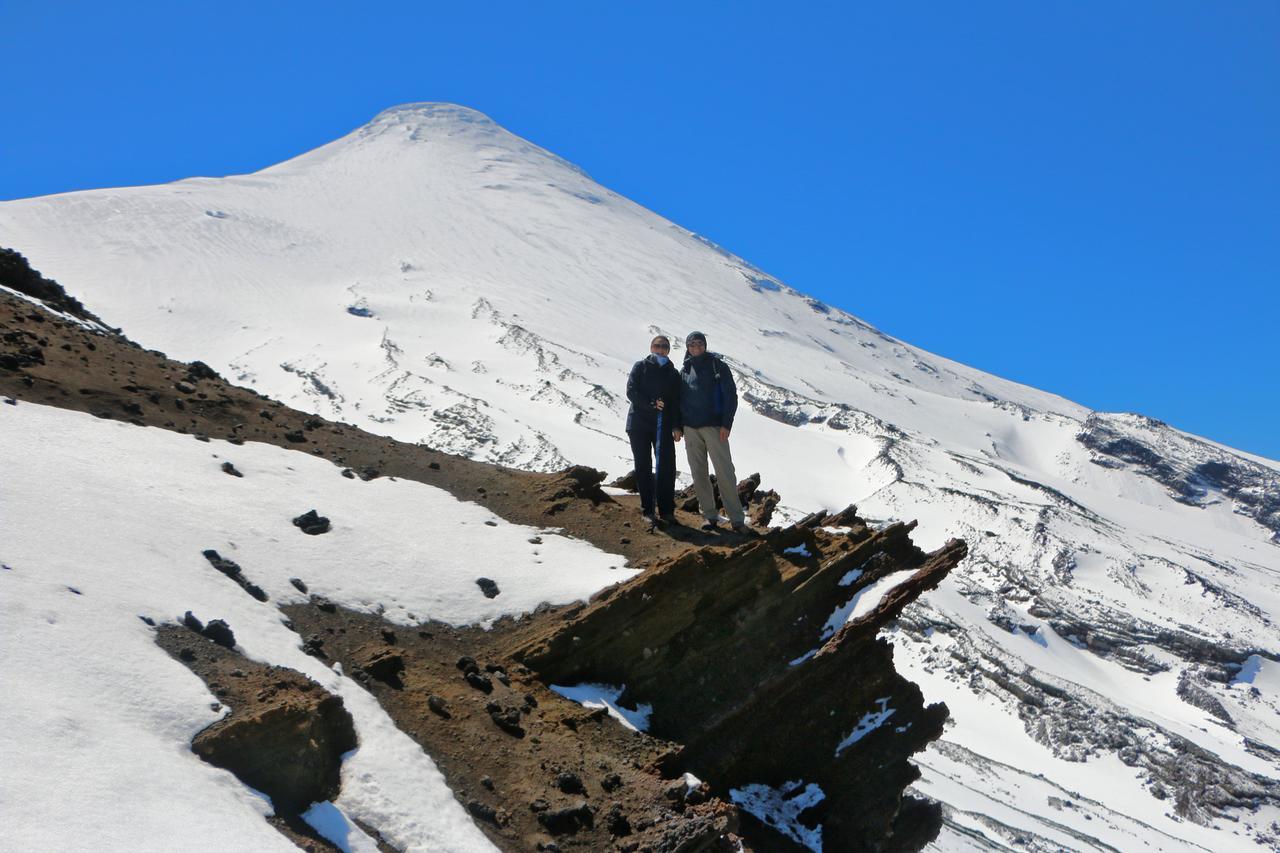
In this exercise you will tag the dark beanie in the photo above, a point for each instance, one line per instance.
(695, 336)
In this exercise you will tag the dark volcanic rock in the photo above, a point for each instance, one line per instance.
(220, 632)
(228, 468)
(488, 587)
(312, 523)
(233, 571)
(17, 274)
(567, 820)
(570, 783)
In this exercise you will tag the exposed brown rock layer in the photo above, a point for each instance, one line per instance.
(284, 735)
(717, 644)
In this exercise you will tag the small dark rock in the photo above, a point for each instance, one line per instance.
(617, 822)
(386, 666)
(348, 473)
(487, 782)
(480, 682)
(389, 636)
(189, 620)
(228, 468)
(132, 408)
(148, 620)
(488, 587)
(508, 720)
(567, 820)
(434, 466)
(611, 783)
(313, 646)
(220, 632)
(466, 663)
(312, 523)
(185, 387)
(298, 585)
(535, 540)
(324, 604)
(482, 811)
(570, 783)
(539, 805)
(438, 705)
(198, 370)
(491, 523)
(186, 655)
(295, 436)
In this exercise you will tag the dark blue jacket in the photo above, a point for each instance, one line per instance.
(708, 396)
(649, 382)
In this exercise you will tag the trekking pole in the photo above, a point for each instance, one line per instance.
(657, 457)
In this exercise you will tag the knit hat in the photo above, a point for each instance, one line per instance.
(695, 336)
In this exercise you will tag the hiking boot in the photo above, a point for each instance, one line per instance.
(709, 526)
(743, 528)
(668, 519)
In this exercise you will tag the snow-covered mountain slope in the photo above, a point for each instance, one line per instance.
(105, 528)
(1109, 648)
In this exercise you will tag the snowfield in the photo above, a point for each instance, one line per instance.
(1108, 650)
(107, 523)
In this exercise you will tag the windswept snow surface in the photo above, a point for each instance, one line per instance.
(106, 524)
(434, 278)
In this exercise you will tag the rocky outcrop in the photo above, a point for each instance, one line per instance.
(284, 735)
(768, 608)
(1195, 472)
(16, 273)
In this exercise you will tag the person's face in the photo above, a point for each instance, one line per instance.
(660, 347)
(696, 348)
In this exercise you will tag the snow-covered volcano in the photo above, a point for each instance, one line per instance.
(1108, 650)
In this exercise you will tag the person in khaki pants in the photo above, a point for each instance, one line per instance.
(708, 402)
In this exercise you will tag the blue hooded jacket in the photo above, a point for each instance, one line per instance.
(708, 395)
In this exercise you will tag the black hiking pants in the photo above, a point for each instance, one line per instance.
(644, 445)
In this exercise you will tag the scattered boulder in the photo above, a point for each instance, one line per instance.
(228, 468)
(616, 822)
(488, 587)
(626, 481)
(198, 370)
(570, 783)
(298, 585)
(438, 705)
(479, 681)
(385, 665)
(295, 437)
(567, 820)
(312, 523)
(233, 571)
(507, 719)
(482, 811)
(220, 632)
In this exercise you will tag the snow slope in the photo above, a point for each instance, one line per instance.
(434, 278)
(107, 524)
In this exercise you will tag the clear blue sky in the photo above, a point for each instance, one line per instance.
(1082, 196)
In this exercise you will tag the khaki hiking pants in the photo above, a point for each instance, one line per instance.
(699, 442)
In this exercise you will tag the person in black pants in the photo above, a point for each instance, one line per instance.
(654, 391)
